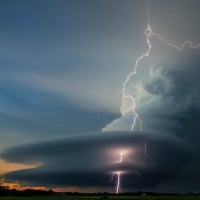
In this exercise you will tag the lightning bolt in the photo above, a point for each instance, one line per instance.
(148, 34)
(118, 174)
(118, 182)
(125, 94)
(181, 47)
(123, 156)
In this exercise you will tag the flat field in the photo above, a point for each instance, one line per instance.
(181, 197)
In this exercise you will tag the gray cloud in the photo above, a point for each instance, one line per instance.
(176, 80)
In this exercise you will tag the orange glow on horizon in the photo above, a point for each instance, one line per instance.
(18, 186)
(9, 167)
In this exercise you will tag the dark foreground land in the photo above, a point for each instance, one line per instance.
(118, 197)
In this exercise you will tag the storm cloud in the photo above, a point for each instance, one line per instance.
(90, 160)
(62, 68)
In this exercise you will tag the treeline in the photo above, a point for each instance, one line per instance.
(5, 191)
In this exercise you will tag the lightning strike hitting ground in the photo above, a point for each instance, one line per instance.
(123, 157)
(118, 174)
(118, 182)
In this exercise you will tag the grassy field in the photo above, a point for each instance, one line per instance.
(194, 197)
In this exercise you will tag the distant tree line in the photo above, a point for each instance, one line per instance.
(5, 191)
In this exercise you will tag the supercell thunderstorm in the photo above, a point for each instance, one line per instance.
(141, 144)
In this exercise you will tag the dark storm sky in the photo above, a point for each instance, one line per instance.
(61, 73)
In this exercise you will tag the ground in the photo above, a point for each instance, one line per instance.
(185, 197)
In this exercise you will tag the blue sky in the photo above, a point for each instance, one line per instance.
(61, 57)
